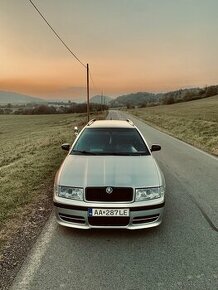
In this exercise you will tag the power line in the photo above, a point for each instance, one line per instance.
(73, 54)
(67, 47)
(92, 81)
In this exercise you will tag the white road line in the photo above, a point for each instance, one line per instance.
(26, 275)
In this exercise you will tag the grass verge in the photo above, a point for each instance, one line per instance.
(195, 122)
(30, 156)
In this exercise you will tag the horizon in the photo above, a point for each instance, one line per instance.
(130, 46)
(78, 99)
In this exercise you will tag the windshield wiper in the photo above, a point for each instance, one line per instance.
(137, 153)
(140, 153)
(83, 152)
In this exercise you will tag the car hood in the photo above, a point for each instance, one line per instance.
(125, 171)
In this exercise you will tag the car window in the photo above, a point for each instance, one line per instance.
(111, 141)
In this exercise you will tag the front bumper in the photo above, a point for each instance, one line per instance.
(144, 216)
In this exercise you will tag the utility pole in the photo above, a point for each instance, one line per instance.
(87, 92)
(101, 100)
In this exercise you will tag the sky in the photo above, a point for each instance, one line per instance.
(130, 46)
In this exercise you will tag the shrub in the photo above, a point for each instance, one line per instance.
(168, 100)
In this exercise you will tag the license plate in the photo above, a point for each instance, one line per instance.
(108, 212)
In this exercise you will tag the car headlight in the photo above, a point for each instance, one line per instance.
(149, 193)
(70, 192)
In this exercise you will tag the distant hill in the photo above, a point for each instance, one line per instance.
(143, 99)
(136, 99)
(15, 98)
(105, 100)
(185, 95)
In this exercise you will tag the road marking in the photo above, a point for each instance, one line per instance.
(26, 275)
(187, 281)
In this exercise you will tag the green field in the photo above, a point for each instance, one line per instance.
(30, 156)
(194, 122)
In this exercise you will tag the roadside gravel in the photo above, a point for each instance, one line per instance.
(21, 235)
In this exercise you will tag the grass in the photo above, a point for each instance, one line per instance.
(30, 156)
(195, 122)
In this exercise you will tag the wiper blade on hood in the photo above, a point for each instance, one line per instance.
(140, 153)
(137, 153)
(83, 152)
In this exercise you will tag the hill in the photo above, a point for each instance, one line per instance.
(143, 99)
(135, 99)
(15, 98)
(104, 100)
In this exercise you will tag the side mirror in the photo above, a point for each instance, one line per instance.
(155, 147)
(76, 131)
(66, 146)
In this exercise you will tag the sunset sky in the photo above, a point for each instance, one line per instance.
(130, 45)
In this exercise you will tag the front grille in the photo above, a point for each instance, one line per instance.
(118, 194)
(108, 221)
(145, 219)
(72, 218)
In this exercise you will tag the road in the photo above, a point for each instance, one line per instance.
(180, 254)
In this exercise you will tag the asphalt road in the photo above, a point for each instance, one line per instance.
(180, 254)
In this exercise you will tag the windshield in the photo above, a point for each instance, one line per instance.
(110, 141)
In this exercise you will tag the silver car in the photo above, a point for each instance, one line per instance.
(109, 179)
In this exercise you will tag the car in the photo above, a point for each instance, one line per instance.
(109, 179)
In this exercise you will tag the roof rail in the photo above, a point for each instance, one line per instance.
(130, 122)
(91, 121)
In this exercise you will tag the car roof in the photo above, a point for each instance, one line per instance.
(110, 124)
